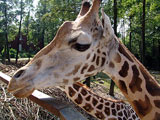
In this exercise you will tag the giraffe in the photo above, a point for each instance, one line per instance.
(82, 48)
(99, 107)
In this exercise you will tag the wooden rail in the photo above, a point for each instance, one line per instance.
(61, 109)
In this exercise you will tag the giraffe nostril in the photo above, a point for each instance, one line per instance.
(19, 73)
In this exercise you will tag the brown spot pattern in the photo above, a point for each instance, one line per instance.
(111, 64)
(76, 68)
(98, 51)
(94, 57)
(107, 111)
(124, 71)
(125, 113)
(88, 107)
(88, 56)
(120, 114)
(142, 108)
(121, 118)
(136, 82)
(75, 86)
(104, 53)
(71, 92)
(123, 51)
(79, 99)
(91, 68)
(134, 117)
(103, 61)
(65, 81)
(107, 103)
(100, 106)
(97, 61)
(151, 85)
(113, 105)
(114, 112)
(76, 79)
(94, 101)
(101, 100)
(84, 68)
(157, 116)
(113, 119)
(123, 86)
(83, 92)
(117, 58)
(99, 115)
(157, 103)
(88, 98)
(122, 106)
(38, 64)
(118, 107)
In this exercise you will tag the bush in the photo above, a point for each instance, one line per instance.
(12, 53)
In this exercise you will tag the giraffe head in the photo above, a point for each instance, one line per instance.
(77, 51)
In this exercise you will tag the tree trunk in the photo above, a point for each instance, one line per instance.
(6, 34)
(115, 17)
(87, 82)
(43, 28)
(111, 91)
(19, 33)
(130, 34)
(124, 41)
(42, 38)
(158, 55)
(143, 34)
(28, 26)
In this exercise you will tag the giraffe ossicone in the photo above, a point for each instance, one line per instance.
(82, 48)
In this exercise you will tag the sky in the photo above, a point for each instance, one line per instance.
(35, 3)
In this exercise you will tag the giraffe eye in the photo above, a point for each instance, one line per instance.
(81, 47)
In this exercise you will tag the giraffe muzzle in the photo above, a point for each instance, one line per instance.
(20, 90)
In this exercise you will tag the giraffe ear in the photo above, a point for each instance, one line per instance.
(107, 27)
(84, 8)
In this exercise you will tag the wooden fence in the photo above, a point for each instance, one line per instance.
(61, 109)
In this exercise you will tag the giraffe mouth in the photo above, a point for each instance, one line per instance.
(20, 90)
(25, 92)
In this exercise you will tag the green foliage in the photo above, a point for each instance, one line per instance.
(24, 54)
(41, 23)
(12, 53)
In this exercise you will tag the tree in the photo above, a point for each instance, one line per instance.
(143, 34)
(21, 12)
(6, 20)
(130, 34)
(26, 22)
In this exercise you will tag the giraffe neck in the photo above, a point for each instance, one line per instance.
(136, 83)
(101, 108)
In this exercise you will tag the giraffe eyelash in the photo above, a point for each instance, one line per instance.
(81, 47)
